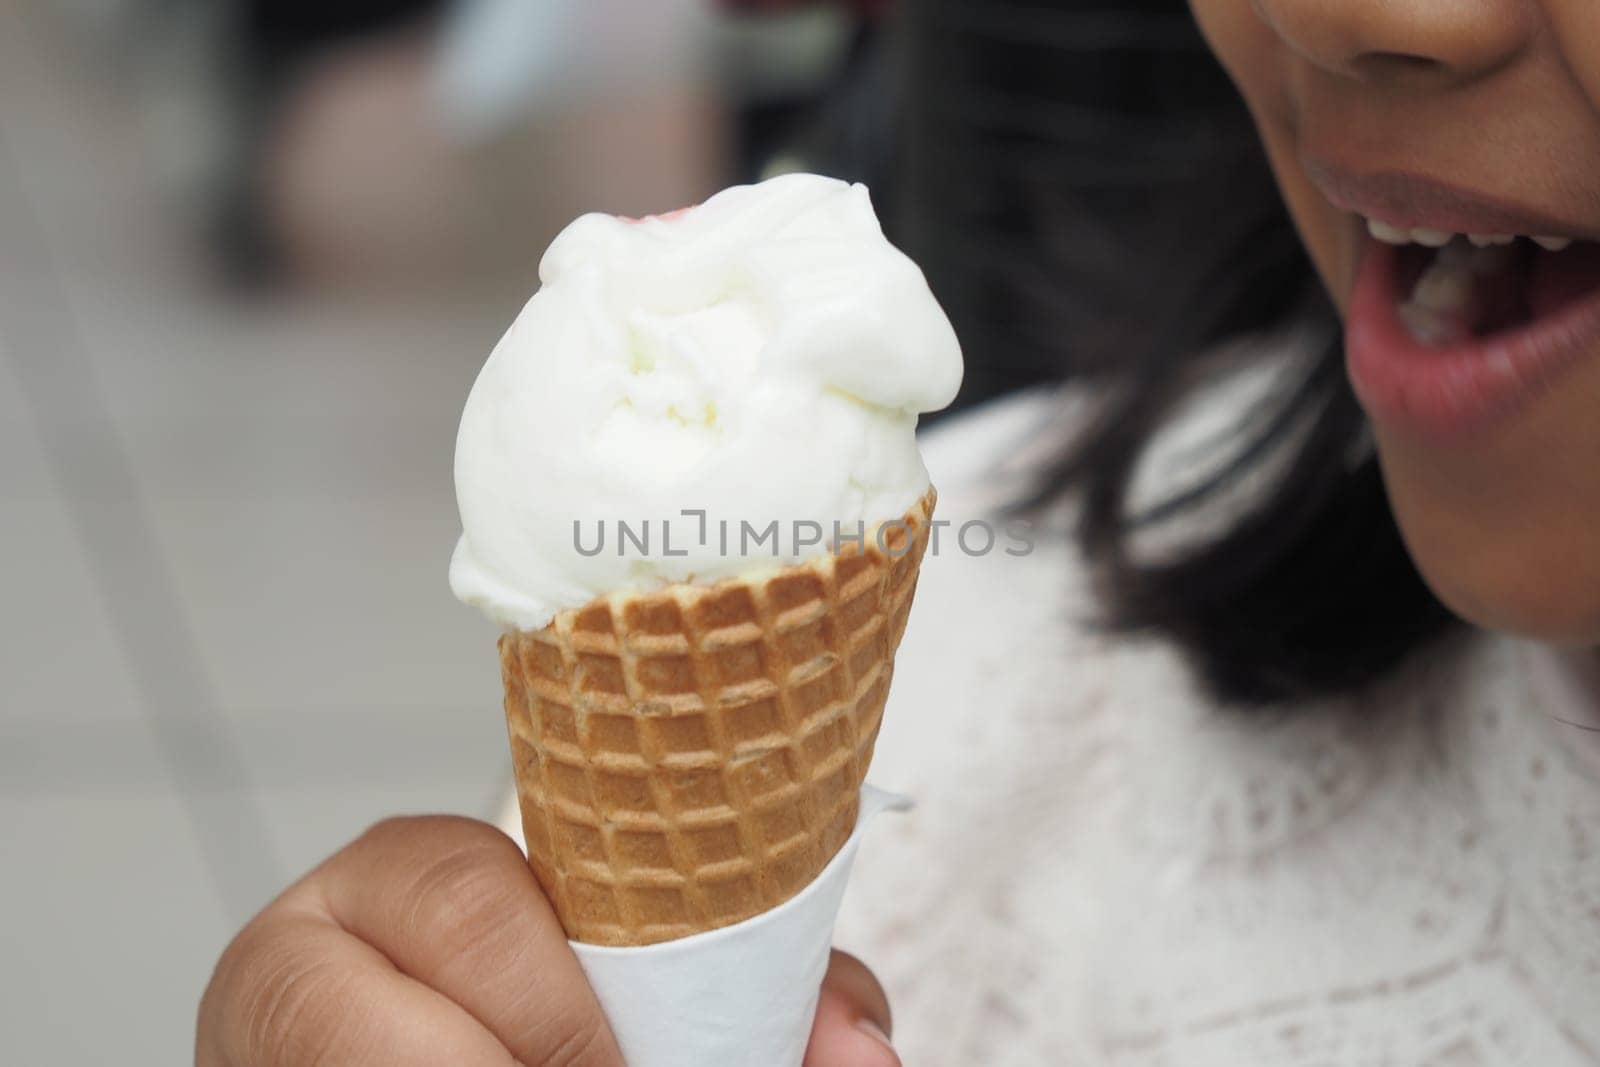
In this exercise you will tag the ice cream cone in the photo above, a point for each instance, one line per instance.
(690, 757)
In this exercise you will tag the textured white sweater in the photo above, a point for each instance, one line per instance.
(1104, 868)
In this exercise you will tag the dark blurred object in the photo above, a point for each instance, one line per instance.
(278, 32)
(843, 131)
(272, 40)
(1070, 176)
(838, 126)
(869, 8)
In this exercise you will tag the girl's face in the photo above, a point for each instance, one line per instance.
(1396, 127)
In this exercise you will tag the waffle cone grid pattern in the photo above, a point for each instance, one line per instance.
(692, 757)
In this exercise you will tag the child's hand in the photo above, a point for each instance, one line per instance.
(428, 941)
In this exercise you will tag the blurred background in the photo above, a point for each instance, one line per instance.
(252, 254)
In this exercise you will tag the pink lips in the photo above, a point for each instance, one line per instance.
(1457, 389)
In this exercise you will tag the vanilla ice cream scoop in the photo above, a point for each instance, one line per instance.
(692, 397)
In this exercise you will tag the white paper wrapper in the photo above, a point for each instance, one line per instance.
(743, 994)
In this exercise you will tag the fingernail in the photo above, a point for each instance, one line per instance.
(867, 1026)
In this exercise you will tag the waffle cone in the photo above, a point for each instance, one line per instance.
(689, 757)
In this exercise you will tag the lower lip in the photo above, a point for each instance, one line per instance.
(1453, 391)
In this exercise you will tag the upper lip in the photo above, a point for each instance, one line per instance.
(1413, 201)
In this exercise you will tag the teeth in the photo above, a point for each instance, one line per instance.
(1389, 235)
(1431, 238)
(1425, 325)
(1443, 290)
(1440, 307)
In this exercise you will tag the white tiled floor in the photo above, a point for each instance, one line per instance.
(226, 639)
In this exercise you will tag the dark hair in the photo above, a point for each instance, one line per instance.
(1089, 198)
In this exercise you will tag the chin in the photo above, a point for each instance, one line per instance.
(1503, 524)
(1535, 581)
(1547, 615)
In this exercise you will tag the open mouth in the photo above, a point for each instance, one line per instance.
(1459, 287)
(1449, 330)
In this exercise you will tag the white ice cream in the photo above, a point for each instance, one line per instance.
(762, 358)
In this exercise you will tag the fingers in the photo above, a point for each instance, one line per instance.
(294, 990)
(470, 921)
(430, 931)
(853, 1024)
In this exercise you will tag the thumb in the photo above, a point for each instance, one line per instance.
(852, 1027)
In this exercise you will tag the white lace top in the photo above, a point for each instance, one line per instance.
(1106, 869)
